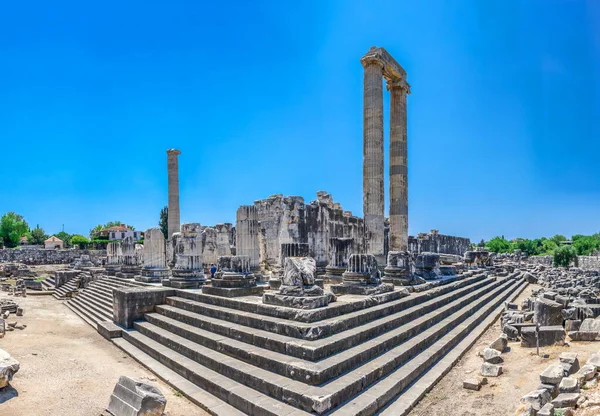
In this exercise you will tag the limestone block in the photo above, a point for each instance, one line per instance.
(491, 356)
(546, 410)
(565, 400)
(136, 398)
(472, 384)
(131, 303)
(548, 312)
(568, 385)
(8, 367)
(548, 335)
(536, 398)
(500, 343)
(491, 370)
(553, 374)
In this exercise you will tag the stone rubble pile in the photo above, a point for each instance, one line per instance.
(8, 367)
(15, 270)
(561, 386)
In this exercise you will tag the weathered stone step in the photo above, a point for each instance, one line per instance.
(100, 315)
(90, 320)
(101, 310)
(70, 286)
(351, 352)
(371, 399)
(401, 405)
(124, 282)
(211, 404)
(244, 398)
(356, 303)
(313, 331)
(317, 349)
(320, 399)
(98, 294)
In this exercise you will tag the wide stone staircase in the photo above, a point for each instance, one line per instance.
(68, 289)
(359, 356)
(49, 283)
(94, 304)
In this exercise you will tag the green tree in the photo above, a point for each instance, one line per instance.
(37, 236)
(499, 245)
(585, 244)
(80, 240)
(12, 227)
(558, 239)
(548, 247)
(65, 237)
(163, 222)
(564, 255)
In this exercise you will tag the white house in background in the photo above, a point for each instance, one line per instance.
(120, 232)
(53, 242)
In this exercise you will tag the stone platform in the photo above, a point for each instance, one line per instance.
(232, 292)
(355, 356)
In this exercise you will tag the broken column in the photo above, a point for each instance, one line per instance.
(131, 397)
(113, 258)
(173, 175)
(398, 268)
(298, 288)
(339, 252)
(247, 232)
(155, 260)
(130, 259)
(427, 265)
(287, 250)
(188, 272)
(233, 278)
(362, 277)
(373, 194)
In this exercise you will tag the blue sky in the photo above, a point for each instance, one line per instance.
(265, 97)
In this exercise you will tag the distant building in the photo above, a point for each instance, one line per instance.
(120, 232)
(23, 241)
(53, 243)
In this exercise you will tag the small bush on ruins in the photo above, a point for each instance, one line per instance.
(564, 255)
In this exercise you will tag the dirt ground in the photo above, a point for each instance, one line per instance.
(67, 368)
(501, 395)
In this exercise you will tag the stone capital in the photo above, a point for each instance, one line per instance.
(173, 152)
(371, 60)
(398, 84)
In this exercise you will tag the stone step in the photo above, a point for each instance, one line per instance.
(245, 399)
(373, 398)
(124, 282)
(83, 314)
(211, 404)
(404, 403)
(109, 285)
(99, 294)
(97, 302)
(350, 352)
(323, 347)
(100, 315)
(333, 310)
(70, 286)
(312, 399)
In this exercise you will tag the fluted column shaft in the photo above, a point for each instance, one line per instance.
(373, 193)
(173, 220)
(398, 167)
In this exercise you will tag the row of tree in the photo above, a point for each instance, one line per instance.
(13, 227)
(584, 245)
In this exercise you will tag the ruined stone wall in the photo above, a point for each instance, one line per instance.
(43, 256)
(588, 262)
(543, 260)
(289, 220)
(438, 243)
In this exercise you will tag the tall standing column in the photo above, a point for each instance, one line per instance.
(174, 223)
(373, 194)
(398, 166)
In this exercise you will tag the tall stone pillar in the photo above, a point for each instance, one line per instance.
(247, 232)
(174, 222)
(155, 260)
(398, 167)
(373, 194)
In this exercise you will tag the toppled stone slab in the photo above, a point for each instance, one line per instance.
(548, 312)
(548, 335)
(8, 367)
(546, 410)
(536, 398)
(552, 374)
(491, 370)
(491, 356)
(472, 384)
(568, 385)
(500, 343)
(136, 398)
(594, 360)
(565, 400)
